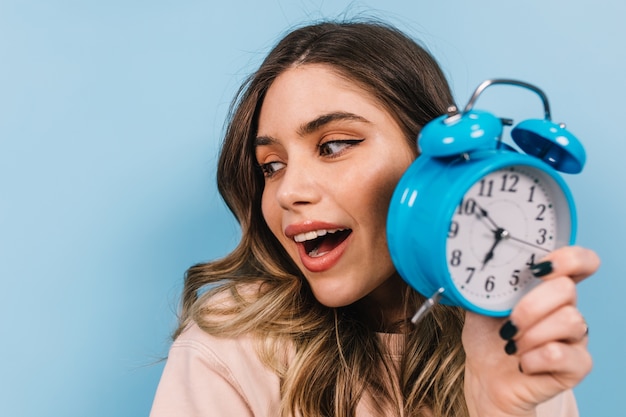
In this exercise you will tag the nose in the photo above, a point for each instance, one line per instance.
(298, 187)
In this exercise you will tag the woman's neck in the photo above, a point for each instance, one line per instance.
(385, 307)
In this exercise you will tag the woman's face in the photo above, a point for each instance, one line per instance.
(331, 155)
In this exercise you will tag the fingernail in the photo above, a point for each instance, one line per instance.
(541, 269)
(519, 366)
(508, 330)
(510, 347)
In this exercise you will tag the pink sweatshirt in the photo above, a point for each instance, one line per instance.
(209, 376)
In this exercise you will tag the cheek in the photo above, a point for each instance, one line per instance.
(380, 186)
(269, 210)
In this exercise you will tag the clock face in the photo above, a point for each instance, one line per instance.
(506, 222)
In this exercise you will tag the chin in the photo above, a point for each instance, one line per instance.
(333, 297)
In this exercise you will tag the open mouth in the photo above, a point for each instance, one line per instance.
(324, 242)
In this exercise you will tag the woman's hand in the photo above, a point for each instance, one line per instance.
(539, 351)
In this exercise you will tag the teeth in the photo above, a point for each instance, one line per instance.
(315, 254)
(314, 234)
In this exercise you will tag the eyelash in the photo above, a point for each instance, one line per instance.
(323, 150)
(267, 170)
(347, 143)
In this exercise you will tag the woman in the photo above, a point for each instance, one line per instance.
(307, 316)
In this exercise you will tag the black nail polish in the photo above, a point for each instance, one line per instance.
(510, 348)
(541, 269)
(508, 330)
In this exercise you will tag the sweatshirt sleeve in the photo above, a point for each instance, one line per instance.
(196, 383)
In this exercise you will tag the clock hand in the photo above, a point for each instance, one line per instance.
(483, 214)
(499, 234)
(480, 216)
(528, 243)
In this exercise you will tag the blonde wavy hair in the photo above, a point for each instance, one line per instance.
(336, 354)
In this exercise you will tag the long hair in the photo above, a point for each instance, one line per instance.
(336, 357)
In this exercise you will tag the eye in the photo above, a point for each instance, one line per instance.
(336, 147)
(271, 168)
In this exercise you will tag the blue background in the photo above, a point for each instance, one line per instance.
(111, 114)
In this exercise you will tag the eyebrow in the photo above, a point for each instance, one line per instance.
(324, 119)
(314, 125)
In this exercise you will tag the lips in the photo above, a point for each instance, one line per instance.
(320, 246)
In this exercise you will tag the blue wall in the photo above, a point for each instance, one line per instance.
(110, 117)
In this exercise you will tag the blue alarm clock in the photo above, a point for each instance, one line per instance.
(472, 215)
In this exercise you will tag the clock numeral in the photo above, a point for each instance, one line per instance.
(532, 194)
(531, 261)
(467, 207)
(490, 283)
(455, 260)
(509, 183)
(542, 209)
(542, 236)
(454, 230)
(486, 187)
(514, 278)
(471, 271)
